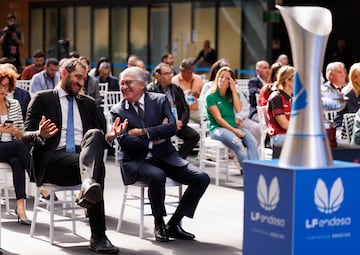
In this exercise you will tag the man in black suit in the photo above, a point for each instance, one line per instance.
(262, 68)
(149, 156)
(64, 155)
(23, 96)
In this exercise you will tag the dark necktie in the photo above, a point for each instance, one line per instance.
(140, 111)
(70, 138)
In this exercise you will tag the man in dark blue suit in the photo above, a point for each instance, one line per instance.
(23, 96)
(149, 156)
(262, 68)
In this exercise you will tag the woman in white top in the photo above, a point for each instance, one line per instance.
(12, 149)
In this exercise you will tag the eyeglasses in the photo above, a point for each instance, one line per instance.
(6, 86)
(167, 73)
(127, 82)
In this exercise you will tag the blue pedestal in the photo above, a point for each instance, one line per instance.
(301, 211)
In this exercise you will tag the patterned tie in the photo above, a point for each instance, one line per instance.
(70, 138)
(140, 111)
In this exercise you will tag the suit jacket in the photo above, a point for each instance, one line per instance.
(254, 85)
(136, 149)
(23, 96)
(47, 103)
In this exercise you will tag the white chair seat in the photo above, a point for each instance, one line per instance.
(140, 201)
(65, 204)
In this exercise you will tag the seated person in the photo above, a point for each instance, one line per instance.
(224, 125)
(266, 90)
(355, 139)
(191, 84)
(13, 150)
(163, 74)
(68, 145)
(352, 92)
(279, 106)
(105, 76)
(150, 157)
(46, 79)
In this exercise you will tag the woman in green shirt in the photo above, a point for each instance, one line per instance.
(223, 106)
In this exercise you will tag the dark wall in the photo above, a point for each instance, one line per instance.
(345, 26)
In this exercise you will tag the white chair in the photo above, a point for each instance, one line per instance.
(6, 184)
(265, 153)
(103, 89)
(140, 201)
(66, 203)
(24, 84)
(213, 152)
(347, 126)
(242, 85)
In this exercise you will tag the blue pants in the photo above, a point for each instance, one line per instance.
(237, 144)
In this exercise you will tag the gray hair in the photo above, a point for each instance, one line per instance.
(139, 73)
(332, 67)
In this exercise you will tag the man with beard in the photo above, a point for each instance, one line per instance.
(67, 145)
(36, 66)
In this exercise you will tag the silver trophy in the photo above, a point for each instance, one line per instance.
(306, 143)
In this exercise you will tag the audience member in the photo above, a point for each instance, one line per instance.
(223, 107)
(11, 39)
(206, 57)
(95, 71)
(179, 106)
(335, 75)
(168, 58)
(132, 60)
(73, 54)
(149, 155)
(36, 66)
(20, 94)
(262, 69)
(352, 92)
(91, 88)
(191, 84)
(13, 150)
(46, 79)
(247, 123)
(269, 87)
(105, 76)
(68, 154)
(140, 63)
(283, 59)
(279, 106)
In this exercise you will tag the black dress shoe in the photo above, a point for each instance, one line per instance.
(101, 244)
(89, 194)
(176, 231)
(161, 233)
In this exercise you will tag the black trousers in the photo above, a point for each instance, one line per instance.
(66, 168)
(190, 139)
(154, 172)
(17, 155)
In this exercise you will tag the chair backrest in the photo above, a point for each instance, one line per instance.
(24, 84)
(347, 126)
(263, 121)
(103, 90)
(242, 84)
(112, 98)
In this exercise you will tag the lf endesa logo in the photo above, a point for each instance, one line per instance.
(268, 197)
(328, 203)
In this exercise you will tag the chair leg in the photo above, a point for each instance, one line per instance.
(122, 209)
(217, 167)
(142, 201)
(35, 211)
(73, 213)
(52, 212)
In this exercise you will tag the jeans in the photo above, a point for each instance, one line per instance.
(277, 140)
(237, 144)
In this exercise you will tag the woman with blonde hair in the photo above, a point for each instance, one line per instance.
(223, 107)
(279, 105)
